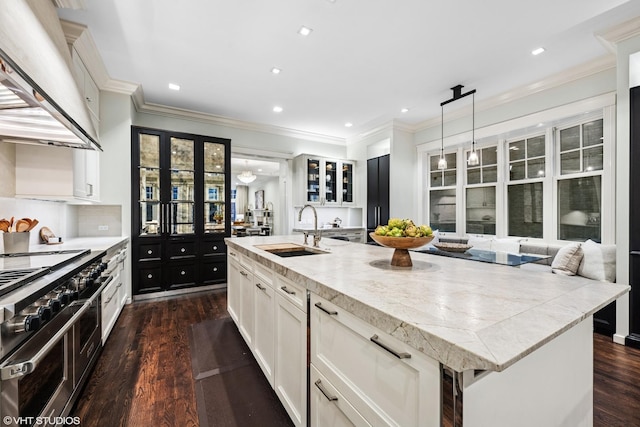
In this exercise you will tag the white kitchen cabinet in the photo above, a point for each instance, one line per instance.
(264, 331)
(324, 182)
(57, 173)
(328, 406)
(110, 305)
(385, 381)
(88, 88)
(291, 349)
(240, 295)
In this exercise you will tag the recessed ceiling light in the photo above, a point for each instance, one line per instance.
(404, 110)
(305, 31)
(277, 109)
(537, 51)
(174, 86)
(348, 124)
(276, 70)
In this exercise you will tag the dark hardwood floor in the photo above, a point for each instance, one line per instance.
(143, 376)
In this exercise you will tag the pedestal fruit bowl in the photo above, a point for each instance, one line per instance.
(402, 235)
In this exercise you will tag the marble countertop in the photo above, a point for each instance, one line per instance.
(345, 228)
(465, 314)
(93, 243)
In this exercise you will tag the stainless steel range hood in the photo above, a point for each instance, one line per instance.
(27, 116)
(40, 102)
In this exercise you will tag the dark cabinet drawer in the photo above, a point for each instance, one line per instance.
(215, 247)
(182, 275)
(149, 279)
(214, 272)
(150, 251)
(177, 250)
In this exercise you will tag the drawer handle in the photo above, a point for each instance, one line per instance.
(326, 394)
(149, 252)
(149, 276)
(244, 273)
(182, 273)
(215, 248)
(233, 254)
(397, 354)
(284, 288)
(183, 250)
(259, 286)
(215, 268)
(329, 312)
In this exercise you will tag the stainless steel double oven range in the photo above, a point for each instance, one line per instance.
(50, 331)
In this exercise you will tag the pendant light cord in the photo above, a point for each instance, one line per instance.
(442, 131)
(473, 121)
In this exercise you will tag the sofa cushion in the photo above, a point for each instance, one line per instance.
(511, 245)
(480, 242)
(598, 262)
(567, 260)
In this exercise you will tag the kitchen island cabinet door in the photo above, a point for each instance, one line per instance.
(234, 280)
(291, 350)
(357, 359)
(264, 316)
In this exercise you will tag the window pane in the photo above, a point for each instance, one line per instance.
(433, 162)
(489, 156)
(436, 179)
(481, 210)
(451, 160)
(592, 133)
(570, 138)
(535, 146)
(449, 178)
(443, 210)
(535, 168)
(473, 176)
(516, 171)
(525, 210)
(579, 205)
(489, 174)
(516, 150)
(570, 162)
(593, 159)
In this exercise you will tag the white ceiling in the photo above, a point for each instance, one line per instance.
(363, 62)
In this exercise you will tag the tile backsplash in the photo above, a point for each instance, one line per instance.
(99, 220)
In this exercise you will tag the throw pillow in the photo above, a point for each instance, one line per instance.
(506, 245)
(598, 262)
(479, 242)
(567, 260)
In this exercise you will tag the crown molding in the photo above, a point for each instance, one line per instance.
(69, 4)
(180, 113)
(619, 33)
(569, 75)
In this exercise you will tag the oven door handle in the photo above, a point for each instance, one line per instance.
(23, 368)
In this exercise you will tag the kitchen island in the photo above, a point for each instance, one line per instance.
(517, 343)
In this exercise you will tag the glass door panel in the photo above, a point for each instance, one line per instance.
(347, 182)
(182, 186)
(313, 180)
(149, 200)
(214, 188)
(331, 184)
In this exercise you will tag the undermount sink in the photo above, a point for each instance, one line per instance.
(286, 250)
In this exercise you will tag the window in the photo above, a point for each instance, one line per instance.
(487, 168)
(580, 197)
(524, 200)
(481, 201)
(442, 199)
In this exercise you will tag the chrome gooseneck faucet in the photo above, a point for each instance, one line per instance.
(316, 235)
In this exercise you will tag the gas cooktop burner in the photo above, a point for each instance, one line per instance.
(12, 279)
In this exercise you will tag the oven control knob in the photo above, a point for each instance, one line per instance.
(72, 294)
(20, 324)
(38, 310)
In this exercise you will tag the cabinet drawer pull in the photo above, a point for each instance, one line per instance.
(215, 268)
(149, 251)
(326, 394)
(233, 254)
(397, 354)
(329, 312)
(284, 288)
(244, 273)
(182, 273)
(183, 250)
(259, 286)
(215, 248)
(149, 276)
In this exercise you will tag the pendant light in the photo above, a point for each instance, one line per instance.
(442, 163)
(473, 156)
(247, 176)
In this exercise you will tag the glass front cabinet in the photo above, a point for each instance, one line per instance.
(324, 182)
(181, 209)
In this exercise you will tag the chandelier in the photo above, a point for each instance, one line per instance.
(247, 176)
